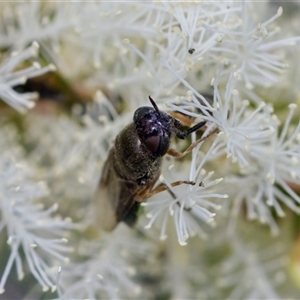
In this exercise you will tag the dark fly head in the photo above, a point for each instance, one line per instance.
(155, 128)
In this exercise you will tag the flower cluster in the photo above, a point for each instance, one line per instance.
(250, 271)
(231, 64)
(9, 77)
(29, 226)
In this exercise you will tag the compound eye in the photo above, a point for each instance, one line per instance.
(152, 143)
(157, 145)
(141, 112)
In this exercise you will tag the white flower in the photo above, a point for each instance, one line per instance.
(97, 21)
(109, 268)
(284, 154)
(251, 274)
(189, 205)
(241, 129)
(251, 47)
(9, 78)
(29, 227)
(253, 194)
(226, 60)
(25, 22)
(274, 170)
(280, 164)
(176, 30)
(188, 275)
(67, 149)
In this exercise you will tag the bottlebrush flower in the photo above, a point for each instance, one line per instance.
(213, 61)
(275, 169)
(251, 274)
(251, 47)
(9, 78)
(108, 270)
(25, 22)
(30, 228)
(187, 205)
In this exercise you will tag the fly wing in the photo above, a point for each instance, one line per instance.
(105, 197)
(128, 206)
(105, 215)
(114, 198)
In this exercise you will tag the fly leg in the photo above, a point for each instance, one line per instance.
(162, 187)
(177, 154)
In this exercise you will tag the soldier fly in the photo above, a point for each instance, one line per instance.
(134, 165)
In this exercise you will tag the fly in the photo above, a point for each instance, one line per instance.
(134, 165)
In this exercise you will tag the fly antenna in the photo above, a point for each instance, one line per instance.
(154, 105)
